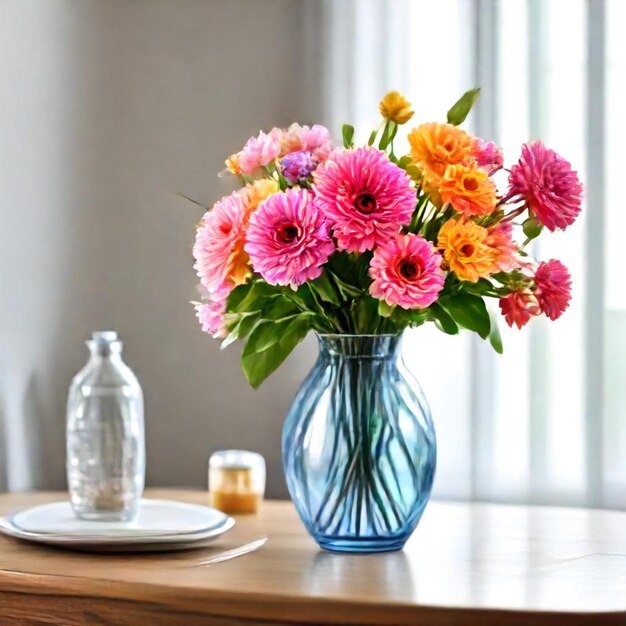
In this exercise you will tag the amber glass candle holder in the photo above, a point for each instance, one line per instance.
(236, 481)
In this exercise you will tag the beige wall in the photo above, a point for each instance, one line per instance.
(107, 108)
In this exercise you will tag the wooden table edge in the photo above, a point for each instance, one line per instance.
(283, 608)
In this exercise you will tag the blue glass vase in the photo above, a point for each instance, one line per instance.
(359, 447)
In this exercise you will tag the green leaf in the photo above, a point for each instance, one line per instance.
(346, 289)
(265, 335)
(503, 277)
(461, 108)
(468, 311)
(389, 132)
(277, 308)
(478, 288)
(366, 314)
(247, 324)
(442, 319)
(303, 297)
(372, 139)
(325, 289)
(242, 300)
(363, 269)
(347, 132)
(232, 336)
(384, 309)
(409, 317)
(236, 296)
(343, 265)
(242, 328)
(532, 228)
(258, 365)
(490, 220)
(404, 162)
(352, 269)
(495, 339)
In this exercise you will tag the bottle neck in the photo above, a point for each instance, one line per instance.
(360, 346)
(105, 351)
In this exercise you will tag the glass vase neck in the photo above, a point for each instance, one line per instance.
(360, 346)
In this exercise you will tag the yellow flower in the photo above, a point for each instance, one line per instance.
(254, 193)
(465, 250)
(435, 146)
(396, 108)
(232, 165)
(468, 189)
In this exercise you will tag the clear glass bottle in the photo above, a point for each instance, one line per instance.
(105, 435)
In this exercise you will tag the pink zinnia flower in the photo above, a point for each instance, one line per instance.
(211, 313)
(218, 249)
(288, 238)
(518, 307)
(365, 196)
(406, 271)
(488, 156)
(547, 184)
(258, 152)
(553, 288)
(315, 139)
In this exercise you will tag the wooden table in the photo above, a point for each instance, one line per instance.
(467, 564)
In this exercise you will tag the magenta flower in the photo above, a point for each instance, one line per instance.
(518, 307)
(406, 271)
(218, 249)
(288, 239)
(366, 197)
(553, 288)
(488, 156)
(547, 184)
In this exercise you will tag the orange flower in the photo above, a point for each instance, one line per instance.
(435, 146)
(396, 108)
(251, 196)
(254, 193)
(464, 248)
(499, 238)
(468, 189)
(239, 264)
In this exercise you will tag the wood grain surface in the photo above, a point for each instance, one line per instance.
(466, 565)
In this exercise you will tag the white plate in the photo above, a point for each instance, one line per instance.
(160, 525)
(155, 518)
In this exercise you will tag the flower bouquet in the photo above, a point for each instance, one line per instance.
(357, 244)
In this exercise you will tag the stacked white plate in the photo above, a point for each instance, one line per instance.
(161, 525)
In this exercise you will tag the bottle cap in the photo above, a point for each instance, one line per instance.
(104, 336)
(104, 342)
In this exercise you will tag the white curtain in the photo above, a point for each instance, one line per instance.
(545, 422)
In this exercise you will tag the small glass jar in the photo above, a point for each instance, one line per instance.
(236, 481)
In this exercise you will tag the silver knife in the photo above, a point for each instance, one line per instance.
(227, 555)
